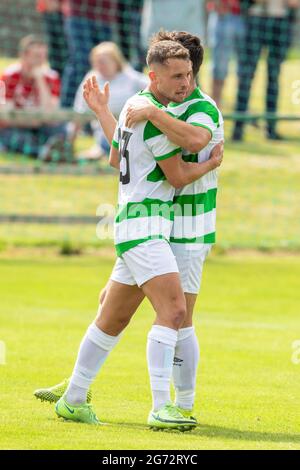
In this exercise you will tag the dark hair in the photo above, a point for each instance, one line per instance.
(160, 52)
(30, 40)
(191, 42)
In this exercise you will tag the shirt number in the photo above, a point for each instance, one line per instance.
(124, 137)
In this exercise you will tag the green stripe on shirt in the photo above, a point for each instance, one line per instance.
(201, 106)
(208, 238)
(168, 155)
(125, 246)
(185, 204)
(196, 204)
(146, 208)
(197, 124)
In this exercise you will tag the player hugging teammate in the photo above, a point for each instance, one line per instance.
(168, 144)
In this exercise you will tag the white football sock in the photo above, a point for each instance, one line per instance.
(93, 351)
(185, 367)
(160, 355)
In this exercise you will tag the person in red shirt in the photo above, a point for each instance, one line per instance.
(30, 85)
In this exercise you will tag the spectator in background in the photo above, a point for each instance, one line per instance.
(226, 35)
(268, 24)
(31, 85)
(129, 28)
(54, 29)
(86, 23)
(109, 65)
(170, 15)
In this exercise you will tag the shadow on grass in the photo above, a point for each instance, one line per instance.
(238, 434)
(212, 431)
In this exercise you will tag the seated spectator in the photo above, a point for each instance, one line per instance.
(109, 65)
(31, 85)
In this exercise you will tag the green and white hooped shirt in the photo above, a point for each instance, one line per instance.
(145, 197)
(195, 204)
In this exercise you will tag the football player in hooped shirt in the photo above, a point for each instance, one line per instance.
(145, 258)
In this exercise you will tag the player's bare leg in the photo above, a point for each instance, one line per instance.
(102, 295)
(190, 305)
(119, 305)
(119, 302)
(167, 298)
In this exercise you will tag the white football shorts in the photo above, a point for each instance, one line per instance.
(190, 264)
(156, 257)
(144, 262)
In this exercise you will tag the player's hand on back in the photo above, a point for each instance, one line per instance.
(136, 114)
(95, 98)
(216, 155)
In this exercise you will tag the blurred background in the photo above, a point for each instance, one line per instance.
(53, 155)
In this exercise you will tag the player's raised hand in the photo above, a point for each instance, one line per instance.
(95, 98)
(136, 114)
(216, 155)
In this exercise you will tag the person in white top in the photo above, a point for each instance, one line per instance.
(109, 66)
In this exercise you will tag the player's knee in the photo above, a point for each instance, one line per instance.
(111, 328)
(98, 321)
(188, 322)
(178, 315)
(102, 296)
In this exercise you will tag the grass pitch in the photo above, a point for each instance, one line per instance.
(247, 318)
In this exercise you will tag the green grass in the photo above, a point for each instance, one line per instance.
(248, 389)
(257, 202)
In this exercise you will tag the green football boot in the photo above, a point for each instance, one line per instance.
(79, 413)
(187, 414)
(169, 417)
(53, 394)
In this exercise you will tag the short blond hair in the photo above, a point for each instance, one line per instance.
(160, 51)
(190, 41)
(111, 49)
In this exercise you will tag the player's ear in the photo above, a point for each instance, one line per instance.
(152, 76)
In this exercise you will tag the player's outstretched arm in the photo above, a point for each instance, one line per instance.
(193, 138)
(180, 173)
(97, 100)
